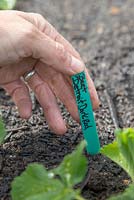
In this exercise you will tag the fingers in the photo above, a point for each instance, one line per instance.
(20, 95)
(92, 90)
(13, 72)
(45, 27)
(49, 104)
(65, 93)
(45, 48)
(60, 87)
(54, 54)
(52, 33)
(59, 52)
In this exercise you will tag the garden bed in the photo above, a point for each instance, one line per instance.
(104, 35)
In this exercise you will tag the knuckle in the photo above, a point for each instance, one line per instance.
(54, 34)
(39, 16)
(39, 21)
(38, 88)
(47, 107)
(30, 32)
(57, 36)
(61, 53)
(48, 30)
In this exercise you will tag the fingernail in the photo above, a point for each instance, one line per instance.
(76, 65)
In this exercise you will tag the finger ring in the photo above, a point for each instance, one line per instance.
(28, 75)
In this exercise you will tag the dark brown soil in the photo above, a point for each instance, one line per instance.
(103, 32)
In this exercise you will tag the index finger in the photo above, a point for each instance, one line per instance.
(45, 27)
(49, 30)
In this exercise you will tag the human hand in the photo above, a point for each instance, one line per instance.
(29, 42)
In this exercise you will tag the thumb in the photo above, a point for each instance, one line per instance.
(54, 54)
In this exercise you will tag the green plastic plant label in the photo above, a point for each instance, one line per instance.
(86, 113)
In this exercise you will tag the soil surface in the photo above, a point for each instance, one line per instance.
(103, 33)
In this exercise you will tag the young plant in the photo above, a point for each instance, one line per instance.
(37, 183)
(7, 4)
(121, 150)
(2, 131)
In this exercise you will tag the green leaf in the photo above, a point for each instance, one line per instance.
(128, 194)
(2, 131)
(7, 4)
(121, 150)
(73, 167)
(36, 183)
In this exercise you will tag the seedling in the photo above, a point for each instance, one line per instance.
(37, 183)
(121, 150)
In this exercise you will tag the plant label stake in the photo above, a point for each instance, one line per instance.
(86, 113)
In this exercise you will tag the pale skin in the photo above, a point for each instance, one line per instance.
(28, 41)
